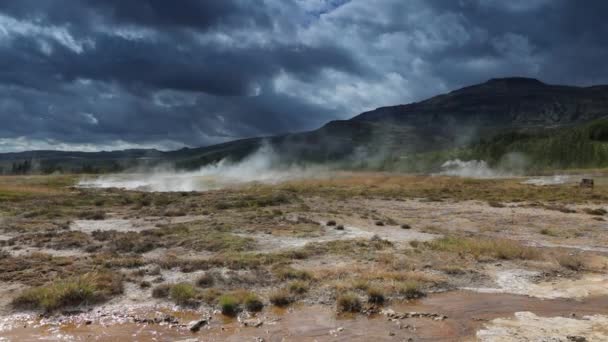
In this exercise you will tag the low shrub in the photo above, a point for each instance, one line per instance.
(87, 289)
(410, 289)
(229, 305)
(375, 295)
(183, 293)
(253, 303)
(297, 287)
(280, 298)
(348, 302)
(161, 291)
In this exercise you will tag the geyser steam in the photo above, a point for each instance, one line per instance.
(264, 165)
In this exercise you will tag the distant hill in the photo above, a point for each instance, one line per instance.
(420, 133)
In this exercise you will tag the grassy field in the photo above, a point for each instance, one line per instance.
(219, 244)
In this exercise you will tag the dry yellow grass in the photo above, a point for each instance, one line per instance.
(389, 185)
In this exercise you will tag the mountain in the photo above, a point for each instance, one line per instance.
(502, 102)
(459, 120)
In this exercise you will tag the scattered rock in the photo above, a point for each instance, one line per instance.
(252, 322)
(391, 314)
(335, 332)
(576, 338)
(195, 326)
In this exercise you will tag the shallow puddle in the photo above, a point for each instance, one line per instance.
(467, 312)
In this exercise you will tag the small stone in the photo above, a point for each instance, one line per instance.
(391, 333)
(197, 325)
(576, 338)
(88, 322)
(340, 227)
(331, 223)
(379, 223)
(256, 323)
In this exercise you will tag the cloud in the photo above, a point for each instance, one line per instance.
(148, 73)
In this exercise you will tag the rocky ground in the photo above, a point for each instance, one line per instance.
(345, 257)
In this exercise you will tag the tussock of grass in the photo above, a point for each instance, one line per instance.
(375, 295)
(290, 273)
(90, 288)
(410, 289)
(298, 287)
(205, 280)
(548, 232)
(92, 215)
(161, 291)
(229, 305)
(183, 293)
(280, 298)
(572, 262)
(597, 211)
(480, 247)
(348, 302)
(361, 284)
(255, 201)
(253, 303)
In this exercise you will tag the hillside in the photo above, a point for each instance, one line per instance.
(467, 122)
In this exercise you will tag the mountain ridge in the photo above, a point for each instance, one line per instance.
(447, 120)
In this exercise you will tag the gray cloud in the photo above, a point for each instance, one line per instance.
(157, 73)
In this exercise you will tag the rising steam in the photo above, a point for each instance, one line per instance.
(264, 165)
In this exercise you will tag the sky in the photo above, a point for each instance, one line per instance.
(113, 74)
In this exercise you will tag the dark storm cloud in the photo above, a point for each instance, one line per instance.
(110, 73)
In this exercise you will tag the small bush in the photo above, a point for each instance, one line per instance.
(360, 284)
(479, 247)
(297, 287)
(571, 262)
(161, 291)
(183, 293)
(410, 290)
(92, 215)
(331, 223)
(597, 211)
(229, 305)
(253, 303)
(495, 204)
(90, 288)
(548, 232)
(375, 295)
(348, 302)
(210, 296)
(280, 298)
(205, 280)
(290, 273)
